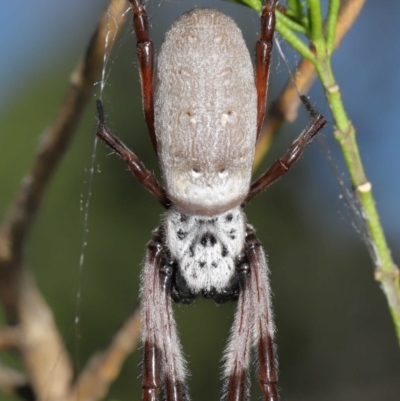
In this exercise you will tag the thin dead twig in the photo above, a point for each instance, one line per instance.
(40, 346)
(10, 337)
(58, 137)
(15, 383)
(104, 367)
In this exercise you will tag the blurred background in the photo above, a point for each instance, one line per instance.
(335, 336)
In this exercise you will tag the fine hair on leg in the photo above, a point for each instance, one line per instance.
(236, 378)
(263, 329)
(163, 365)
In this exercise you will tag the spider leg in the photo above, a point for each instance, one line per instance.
(253, 328)
(263, 326)
(144, 176)
(145, 49)
(283, 164)
(163, 365)
(263, 58)
(237, 354)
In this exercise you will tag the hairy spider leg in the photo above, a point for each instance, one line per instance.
(263, 326)
(252, 328)
(145, 49)
(163, 364)
(135, 165)
(263, 58)
(283, 164)
(236, 385)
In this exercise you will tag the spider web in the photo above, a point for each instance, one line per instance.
(90, 173)
(352, 206)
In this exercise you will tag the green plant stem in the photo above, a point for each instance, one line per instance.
(331, 24)
(292, 38)
(319, 53)
(289, 23)
(315, 14)
(386, 271)
(296, 8)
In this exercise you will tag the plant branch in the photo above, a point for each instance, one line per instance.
(290, 23)
(58, 137)
(15, 383)
(39, 342)
(10, 337)
(331, 24)
(285, 30)
(386, 271)
(104, 367)
(285, 108)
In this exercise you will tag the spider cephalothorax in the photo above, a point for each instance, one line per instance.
(203, 122)
(206, 249)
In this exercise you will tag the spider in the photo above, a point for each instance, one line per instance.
(204, 118)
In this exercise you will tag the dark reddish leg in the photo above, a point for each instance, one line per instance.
(282, 165)
(253, 328)
(152, 354)
(263, 58)
(145, 49)
(163, 364)
(263, 321)
(145, 177)
(151, 374)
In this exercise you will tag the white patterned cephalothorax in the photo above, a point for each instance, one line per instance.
(204, 107)
(206, 248)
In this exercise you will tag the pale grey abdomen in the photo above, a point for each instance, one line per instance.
(205, 112)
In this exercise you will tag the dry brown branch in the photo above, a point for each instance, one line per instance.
(39, 344)
(104, 367)
(284, 109)
(58, 137)
(46, 360)
(10, 337)
(14, 383)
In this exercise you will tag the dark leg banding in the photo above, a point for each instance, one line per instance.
(145, 49)
(135, 165)
(163, 364)
(263, 58)
(263, 332)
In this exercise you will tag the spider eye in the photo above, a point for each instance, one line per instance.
(223, 172)
(187, 118)
(195, 172)
(229, 117)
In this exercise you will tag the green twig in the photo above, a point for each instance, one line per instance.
(387, 272)
(290, 23)
(295, 8)
(292, 38)
(331, 23)
(314, 11)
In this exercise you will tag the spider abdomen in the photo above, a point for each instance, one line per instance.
(205, 113)
(205, 248)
